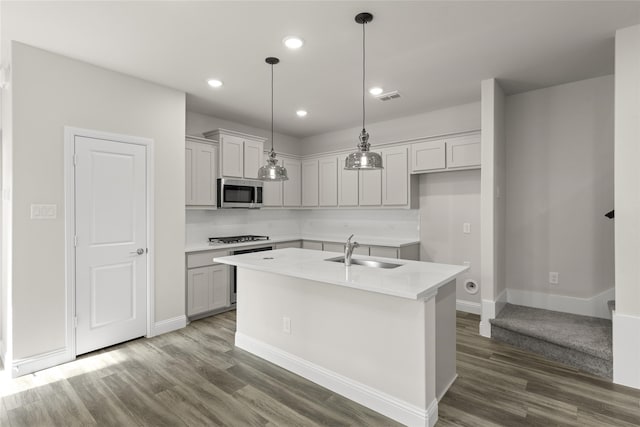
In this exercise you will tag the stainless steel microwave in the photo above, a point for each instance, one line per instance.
(239, 193)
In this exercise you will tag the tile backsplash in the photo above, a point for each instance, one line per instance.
(382, 223)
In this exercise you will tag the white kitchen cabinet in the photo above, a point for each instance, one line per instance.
(311, 244)
(347, 187)
(208, 283)
(395, 176)
(292, 188)
(370, 187)
(201, 167)
(428, 156)
(252, 158)
(463, 152)
(240, 154)
(292, 244)
(207, 289)
(272, 194)
(310, 183)
(450, 153)
(383, 251)
(328, 181)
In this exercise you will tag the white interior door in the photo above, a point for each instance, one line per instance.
(111, 249)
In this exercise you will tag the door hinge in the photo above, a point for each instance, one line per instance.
(75, 160)
(75, 240)
(75, 322)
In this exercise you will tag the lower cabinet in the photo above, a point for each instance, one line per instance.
(207, 289)
(208, 283)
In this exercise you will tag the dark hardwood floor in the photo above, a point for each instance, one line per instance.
(195, 376)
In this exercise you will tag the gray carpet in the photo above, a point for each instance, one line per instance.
(580, 341)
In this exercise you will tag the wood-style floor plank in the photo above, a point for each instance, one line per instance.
(196, 377)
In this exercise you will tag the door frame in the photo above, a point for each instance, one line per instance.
(70, 133)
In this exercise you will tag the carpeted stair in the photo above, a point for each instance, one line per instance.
(579, 341)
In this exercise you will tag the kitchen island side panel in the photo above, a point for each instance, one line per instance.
(348, 331)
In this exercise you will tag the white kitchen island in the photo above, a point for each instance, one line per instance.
(384, 338)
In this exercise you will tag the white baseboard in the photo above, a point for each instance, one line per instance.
(169, 325)
(390, 406)
(446, 389)
(626, 350)
(490, 309)
(595, 306)
(41, 361)
(468, 306)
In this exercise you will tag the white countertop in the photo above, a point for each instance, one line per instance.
(363, 240)
(413, 280)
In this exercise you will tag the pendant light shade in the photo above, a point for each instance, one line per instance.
(363, 158)
(272, 171)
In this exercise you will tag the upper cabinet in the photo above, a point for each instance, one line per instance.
(454, 153)
(201, 166)
(395, 176)
(240, 154)
(370, 187)
(292, 188)
(284, 193)
(347, 186)
(310, 183)
(328, 185)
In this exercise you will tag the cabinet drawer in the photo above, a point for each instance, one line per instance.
(333, 247)
(310, 244)
(384, 251)
(293, 244)
(201, 259)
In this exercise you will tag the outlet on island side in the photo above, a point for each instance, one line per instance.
(553, 277)
(286, 325)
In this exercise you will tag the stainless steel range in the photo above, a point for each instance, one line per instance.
(240, 239)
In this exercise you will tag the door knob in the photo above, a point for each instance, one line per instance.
(139, 251)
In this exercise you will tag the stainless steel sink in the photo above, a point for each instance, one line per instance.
(365, 262)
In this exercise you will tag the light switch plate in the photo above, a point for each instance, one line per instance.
(43, 211)
(466, 228)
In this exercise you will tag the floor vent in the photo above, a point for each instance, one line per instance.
(388, 96)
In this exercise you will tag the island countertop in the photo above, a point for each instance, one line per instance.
(412, 280)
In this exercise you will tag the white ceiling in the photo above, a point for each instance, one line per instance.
(434, 53)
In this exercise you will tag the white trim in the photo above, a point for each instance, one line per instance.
(446, 389)
(39, 362)
(626, 350)
(468, 306)
(390, 406)
(169, 325)
(70, 134)
(595, 306)
(490, 309)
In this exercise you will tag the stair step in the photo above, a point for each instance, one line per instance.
(580, 341)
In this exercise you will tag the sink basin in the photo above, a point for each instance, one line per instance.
(365, 262)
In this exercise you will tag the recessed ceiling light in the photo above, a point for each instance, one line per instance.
(375, 91)
(214, 82)
(301, 113)
(293, 42)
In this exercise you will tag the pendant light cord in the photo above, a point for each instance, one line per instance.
(363, 73)
(271, 107)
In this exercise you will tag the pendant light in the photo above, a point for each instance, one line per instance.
(272, 171)
(363, 158)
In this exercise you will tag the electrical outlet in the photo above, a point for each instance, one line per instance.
(466, 228)
(43, 211)
(553, 277)
(286, 325)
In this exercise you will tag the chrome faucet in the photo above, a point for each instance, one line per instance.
(348, 250)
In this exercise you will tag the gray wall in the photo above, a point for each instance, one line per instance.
(559, 158)
(449, 120)
(447, 200)
(198, 123)
(50, 92)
